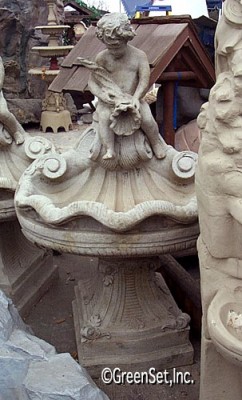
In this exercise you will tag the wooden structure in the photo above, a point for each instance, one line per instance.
(74, 15)
(78, 14)
(174, 51)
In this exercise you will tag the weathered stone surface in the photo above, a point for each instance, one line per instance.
(31, 369)
(17, 21)
(29, 110)
(26, 110)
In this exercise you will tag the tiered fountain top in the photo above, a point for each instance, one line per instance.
(54, 49)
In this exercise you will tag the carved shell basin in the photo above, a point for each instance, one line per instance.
(73, 203)
(14, 159)
(225, 323)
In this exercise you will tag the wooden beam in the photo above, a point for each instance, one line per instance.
(177, 76)
(168, 105)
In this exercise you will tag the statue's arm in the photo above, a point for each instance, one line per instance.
(144, 76)
(7, 119)
(101, 83)
(96, 89)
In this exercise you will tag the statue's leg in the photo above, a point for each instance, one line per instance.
(105, 132)
(9, 121)
(150, 128)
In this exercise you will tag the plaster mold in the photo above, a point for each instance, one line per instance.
(124, 196)
(25, 271)
(218, 186)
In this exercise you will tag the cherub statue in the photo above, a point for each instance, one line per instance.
(120, 79)
(7, 119)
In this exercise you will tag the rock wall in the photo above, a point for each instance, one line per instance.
(18, 19)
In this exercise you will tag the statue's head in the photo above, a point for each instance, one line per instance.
(115, 25)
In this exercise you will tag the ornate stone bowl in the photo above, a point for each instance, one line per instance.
(126, 211)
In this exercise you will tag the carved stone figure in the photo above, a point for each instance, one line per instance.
(9, 123)
(228, 39)
(218, 184)
(123, 196)
(120, 79)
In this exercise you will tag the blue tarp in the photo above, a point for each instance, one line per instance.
(211, 4)
(130, 5)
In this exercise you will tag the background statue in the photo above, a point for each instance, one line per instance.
(219, 195)
(9, 123)
(228, 39)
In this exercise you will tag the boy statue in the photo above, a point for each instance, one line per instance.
(120, 79)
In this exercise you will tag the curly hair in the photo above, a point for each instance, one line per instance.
(115, 24)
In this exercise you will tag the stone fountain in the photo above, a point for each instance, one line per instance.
(124, 196)
(54, 113)
(218, 184)
(25, 270)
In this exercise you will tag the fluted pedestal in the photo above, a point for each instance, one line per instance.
(125, 316)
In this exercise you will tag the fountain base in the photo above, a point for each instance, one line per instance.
(126, 317)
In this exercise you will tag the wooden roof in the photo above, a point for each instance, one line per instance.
(82, 10)
(171, 44)
(78, 13)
